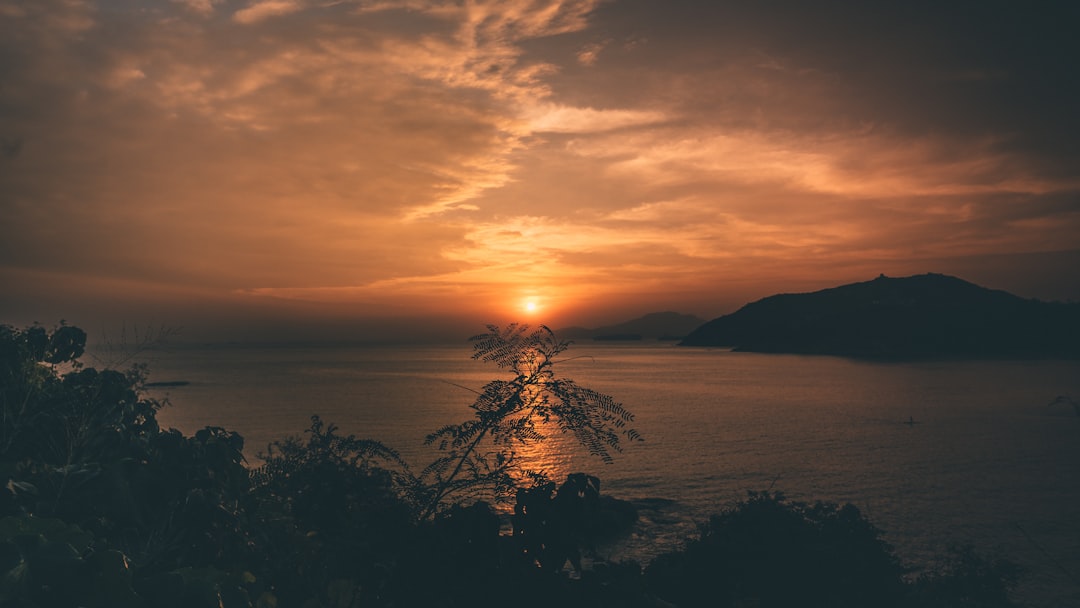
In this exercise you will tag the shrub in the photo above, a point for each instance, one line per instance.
(768, 551)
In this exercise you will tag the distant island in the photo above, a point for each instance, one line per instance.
(916, 317)
(668, 325)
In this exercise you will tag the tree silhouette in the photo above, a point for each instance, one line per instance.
(478, 455)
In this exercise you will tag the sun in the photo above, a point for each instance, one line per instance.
(530, 306)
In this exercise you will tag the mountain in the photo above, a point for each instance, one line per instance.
(653, 326)
(923, 316)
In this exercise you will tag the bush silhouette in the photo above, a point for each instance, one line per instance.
(328, 521)
(768, 551)
(95, 490)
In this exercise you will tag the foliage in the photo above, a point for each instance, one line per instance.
(82, 447)
(329, 519)
(48, 562)
(552, 527)
(478, 455)
(768, 551)
(966, 580)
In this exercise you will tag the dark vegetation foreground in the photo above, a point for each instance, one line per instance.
(100, 507)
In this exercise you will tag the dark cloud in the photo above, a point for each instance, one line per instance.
(970, 68)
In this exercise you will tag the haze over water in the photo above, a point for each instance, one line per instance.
(987, 460)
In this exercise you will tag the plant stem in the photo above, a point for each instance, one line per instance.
(512, 405)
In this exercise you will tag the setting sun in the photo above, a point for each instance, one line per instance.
(531, 306)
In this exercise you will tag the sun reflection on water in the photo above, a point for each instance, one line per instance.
(555, 457)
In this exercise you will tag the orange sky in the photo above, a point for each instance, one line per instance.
(335, 164)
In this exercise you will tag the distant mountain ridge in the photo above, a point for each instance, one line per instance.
(653, 326)
(922, 316)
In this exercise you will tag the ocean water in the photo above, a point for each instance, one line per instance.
(988, 461)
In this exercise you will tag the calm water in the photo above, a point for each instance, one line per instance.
(988, 462)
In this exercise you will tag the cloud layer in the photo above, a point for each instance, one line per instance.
(434, 157)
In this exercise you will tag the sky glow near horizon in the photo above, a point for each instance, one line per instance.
(188, 161)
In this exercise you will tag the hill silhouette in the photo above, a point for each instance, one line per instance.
(922, 316)
(653, 326)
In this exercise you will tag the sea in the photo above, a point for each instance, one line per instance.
(936, 454)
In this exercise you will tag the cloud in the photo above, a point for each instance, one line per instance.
(233, 133)
(553, 118)
(851, 164)
(266, 9)
(482, 48)
(590, 53)
(201, 7)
